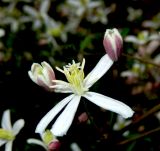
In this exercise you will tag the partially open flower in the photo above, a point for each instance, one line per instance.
(113, 43)
(42, 75)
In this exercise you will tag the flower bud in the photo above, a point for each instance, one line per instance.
(113, 43)
(83, 117)
(42, 75)
(54, 146)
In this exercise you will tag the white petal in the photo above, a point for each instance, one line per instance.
(109, 104)
(29, 10)
(34, 67)
(132, 39)
(2, 142)
(18, 125)
(93, 4)
(61, 86)
(6, 120)
(99, 70)
(44, 6)
(62, 124)
(37, 142)
(48, 72)
(8, 146)
(42, 82)
(74, 3)
(74, 147)
(51, 114)
(32, 77)
(61, 89)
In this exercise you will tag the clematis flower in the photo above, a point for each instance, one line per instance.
(7, 132)
(113, 43)
(42, 75)
(79, 86)
(48, 141)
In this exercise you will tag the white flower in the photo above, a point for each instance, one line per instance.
(134, 14)
(79, 86)
(7, 132)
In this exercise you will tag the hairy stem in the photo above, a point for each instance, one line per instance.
(145, 115)
(139, 136)
(141, 60)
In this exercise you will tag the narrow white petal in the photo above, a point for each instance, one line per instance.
(8, 146)
(60, 89)
(18, 125)
(2, 142)
(29, 10)
(51, 114)
(74, 3)
(63, 122)
(48, 72)
(74, 147)
(37, 142)
(32, 77)
(6, 120)
(109, 104)
(61, 86)
(60, 82)
(132, 39)
(93, 4)
(42, 82)
(99, 70)
(44, 6)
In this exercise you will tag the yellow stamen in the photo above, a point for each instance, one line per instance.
(75, 75)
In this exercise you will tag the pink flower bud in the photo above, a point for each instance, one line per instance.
(83, 117)
(54, 145)
(42, 75)
(113, 43)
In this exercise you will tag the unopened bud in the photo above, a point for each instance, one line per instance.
(113, 43)
(54, 146)
(83, 117)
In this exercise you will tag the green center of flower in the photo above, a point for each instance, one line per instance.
(75, 76)
(6, 134)
(48, 137)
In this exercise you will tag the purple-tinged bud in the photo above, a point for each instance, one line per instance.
(54, 145)
(42, 75)
(113, 43)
